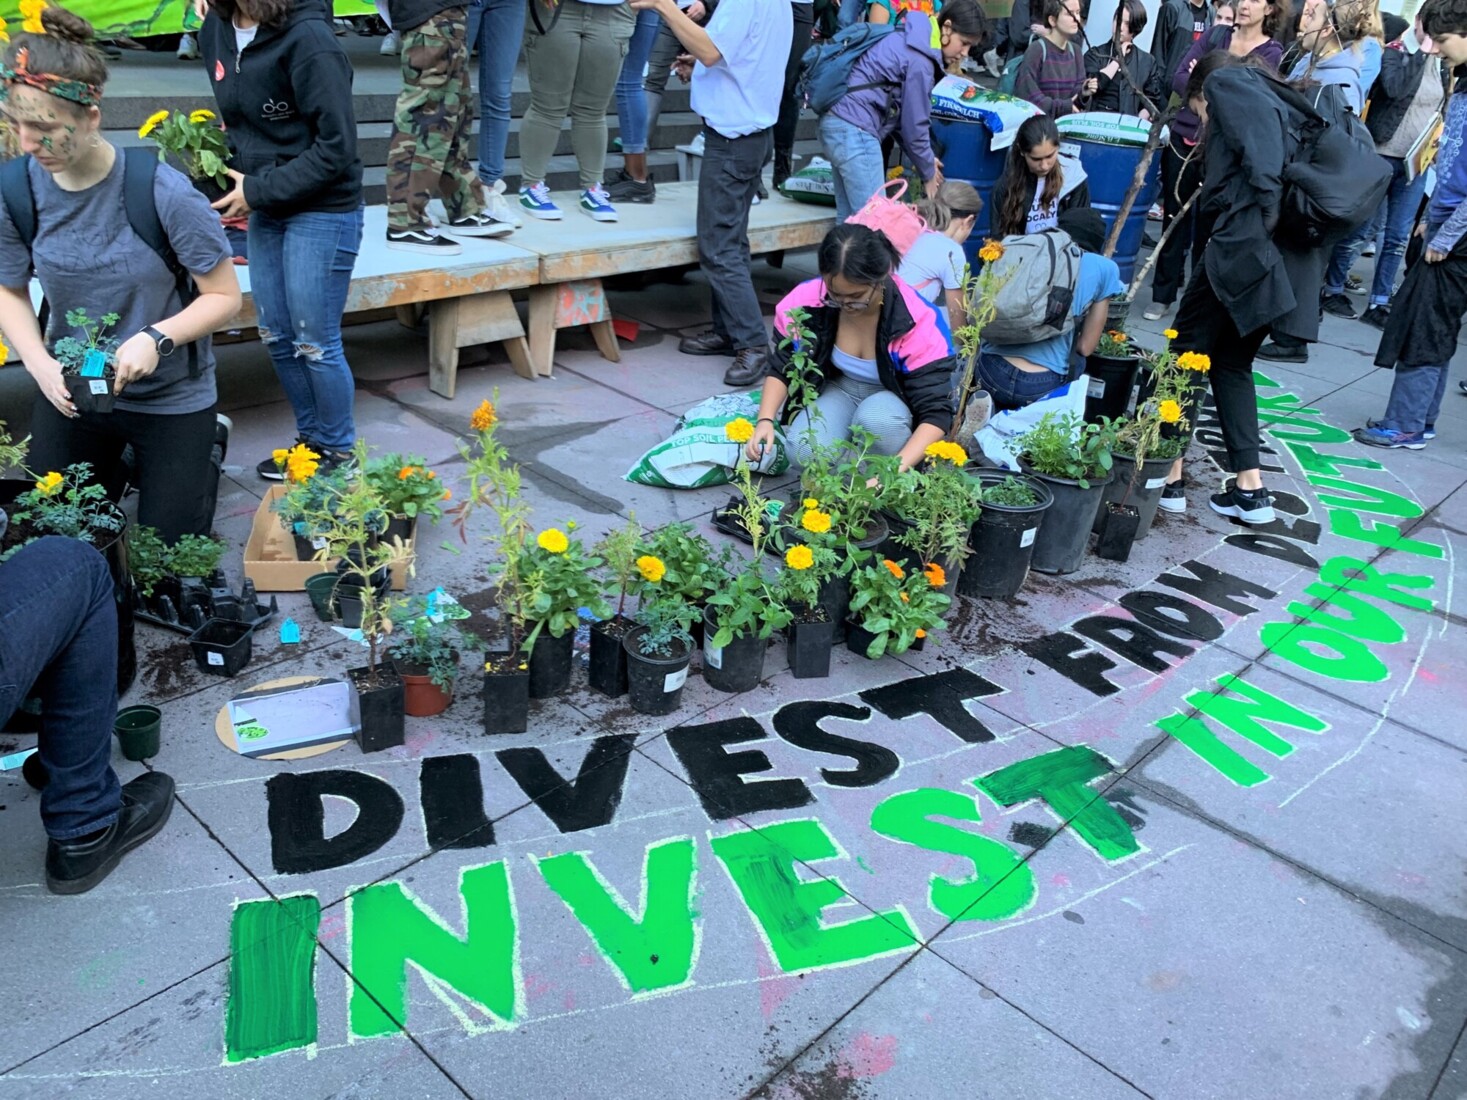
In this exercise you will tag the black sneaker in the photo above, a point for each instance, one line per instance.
(271, 472)
(1354, 284)
(222, 427)
(1173, 497)
(331, 461)
(1250, 506)
(476, 225)
(75, 866)
(1275, 352)
(626, 189)
(422, 240)
(1337, 305)
(1376, 316)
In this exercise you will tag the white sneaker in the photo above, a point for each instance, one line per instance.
(991, 63)
(498, 207)
(696, 145)
(188, 48)
(391, 45)
(1155, 311)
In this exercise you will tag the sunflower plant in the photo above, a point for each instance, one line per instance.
(897, 607)
(749, 604)
(407, 486)
(195, 141)
(1159, 428)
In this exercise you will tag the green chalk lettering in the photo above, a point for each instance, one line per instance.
(1381, 501)
(1288, 427)
(1264, 381)
(1242, 708)
(1316, 462)
(1284, 403)
(390, 928)
(655, 952)
(788, 911)
(1061, 779)
(1363, 620)
(272, 987)
(1198, 736)
(1001, 883)
(1357, 576)
(1350, 524)
(1339, 656)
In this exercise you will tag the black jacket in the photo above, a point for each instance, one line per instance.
(1400, 78)
(1426, 313)
(407, 14)
(1077, 197)
(1116, 93)
(287, 111)
(1173, 35)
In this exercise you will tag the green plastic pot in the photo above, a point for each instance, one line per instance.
(138, 730)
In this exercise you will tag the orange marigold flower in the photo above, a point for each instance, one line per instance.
(936, 575)
(896, 570)
(484, 417)
(405, 473)
(906, 598)
(447, 494)
(921, 633)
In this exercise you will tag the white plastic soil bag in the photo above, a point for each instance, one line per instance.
(999, 437)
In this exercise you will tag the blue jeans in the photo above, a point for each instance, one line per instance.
(1397, 215)
(1416, 398)
(858, 168)
(631, 103)
(497, 26)
(58, 640)
(300, 271)
(1010, 387)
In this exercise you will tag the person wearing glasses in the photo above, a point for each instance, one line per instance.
(882, 354)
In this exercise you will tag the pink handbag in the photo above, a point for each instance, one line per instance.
(888, 214)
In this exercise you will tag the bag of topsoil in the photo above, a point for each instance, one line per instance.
(957, 97)
(812, 183)
(699, 452)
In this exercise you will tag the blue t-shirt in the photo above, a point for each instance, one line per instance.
(1098, 278)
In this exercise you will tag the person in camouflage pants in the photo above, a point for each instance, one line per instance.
(430, 148)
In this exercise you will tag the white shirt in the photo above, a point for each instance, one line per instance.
(1041, 217)
(934, 264)
(741, 94)
(243, 36)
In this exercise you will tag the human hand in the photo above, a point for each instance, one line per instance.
(1091, 86)
(683, 66)
(47, 375)
(1420, 230)
(696, 11)
(233, 205)
(763, 438)
(136, 359)
(1145, 115)
(201, 8)
(1191, 65)
(1433, 256)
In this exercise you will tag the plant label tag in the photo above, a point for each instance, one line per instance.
(713, 655)
(674, 680)
(1156, 482)
(290, 632)
(318, 542)
(1095, 389)
(214, 658)
(98, 386)
(94, 364)
(1027, 538)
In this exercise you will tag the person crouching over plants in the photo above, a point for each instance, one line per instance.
(870, 352)
(148, 345)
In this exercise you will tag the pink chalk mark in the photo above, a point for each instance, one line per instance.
(1059, 880)
(536, 985)
(868, 1056)
(773, 990)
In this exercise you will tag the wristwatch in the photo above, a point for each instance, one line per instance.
(163, 343)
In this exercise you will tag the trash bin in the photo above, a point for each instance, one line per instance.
(1110, 146)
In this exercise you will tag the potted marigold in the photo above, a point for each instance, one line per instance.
(89, 364)
(624, 568)
(1073, 460)
(409, 490)
(309, 494)
(1110, 374)
(556, 579)
(659, 649)
(811, 633)
(694, 570)
(196, 144)
(892, 610)
(939, 505)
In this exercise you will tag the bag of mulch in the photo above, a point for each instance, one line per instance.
(699, 453)
(956, 97)
(999, 438)
(813, 183)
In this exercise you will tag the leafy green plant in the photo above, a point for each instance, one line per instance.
(619, 551)
(318, 494)
(147, 558)
(941, 501)
(194, 139)
(73, 354)
(195, 556)
(748, 606)
(667, 618)
(557, 579)
(12, 454)
(1012, 493)
(895, 606)
(427, 641)
(1160, 426)
(694, 570)
(847, 479)
(1067, 447)
(804, 377)
(69, 504)
(1114, 344)
(407, 486)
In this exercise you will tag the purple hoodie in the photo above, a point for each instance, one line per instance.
(906, 65)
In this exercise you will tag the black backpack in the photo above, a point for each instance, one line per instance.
(139, 167)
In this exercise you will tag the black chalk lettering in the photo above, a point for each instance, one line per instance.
(453, 802)
(1074, 660)
(588, 801)
(1134, 641)
(1272, 546)
(799, 724)
(1216, 587)
(297, 819)
(1172, 615)
(942, 696)
(718, 775)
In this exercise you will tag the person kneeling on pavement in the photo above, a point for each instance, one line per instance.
(883, 352)
(58, 641)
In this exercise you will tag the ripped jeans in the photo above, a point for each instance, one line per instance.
(300, 271)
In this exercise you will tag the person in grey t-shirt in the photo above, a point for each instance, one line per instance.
(86, 255)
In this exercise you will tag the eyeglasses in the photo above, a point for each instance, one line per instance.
(851, 303)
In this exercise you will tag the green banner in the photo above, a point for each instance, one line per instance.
(139, 18)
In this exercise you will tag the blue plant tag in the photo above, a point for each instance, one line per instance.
(94, 365)
(290, 632)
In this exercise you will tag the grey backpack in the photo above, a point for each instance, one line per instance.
(1036, 296)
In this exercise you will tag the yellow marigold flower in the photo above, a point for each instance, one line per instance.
(4, 350)
(279, 454)
(1194, 360)
(152, 124)
(4, 34)
(815, 522)
(894, 568)
(935, 574)
(201, 115)
(921, 633)
(49, 484)
(405, 473)
(1169, 411)
(1169, 333)
(553, 541)
(300, 463)
(906, 598)
(950, 451)
(484, 417)
(799, 557)
(992, 250)
(739, 430)
(811, 502)
(651, 568)
(30, 11)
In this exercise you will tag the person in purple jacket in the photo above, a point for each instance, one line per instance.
(891, 92)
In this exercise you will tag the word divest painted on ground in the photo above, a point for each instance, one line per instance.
(1335, 589)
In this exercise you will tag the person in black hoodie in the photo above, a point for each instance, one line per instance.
(283, 86)
(1107, 87)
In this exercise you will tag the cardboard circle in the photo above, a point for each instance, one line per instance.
(224, 728)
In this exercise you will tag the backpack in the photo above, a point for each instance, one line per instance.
(139, 167)
(825, 70)
(1010, 78)
(1037, 274)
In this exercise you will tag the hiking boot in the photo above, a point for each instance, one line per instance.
(1376, 316)
(706, 343)
(1275, 352)
(626, 189)
(75, 866)
(1337, 305)
(1248, 505)
(749, 366)
(426, 241)
(1173, 497)
(1390, 438)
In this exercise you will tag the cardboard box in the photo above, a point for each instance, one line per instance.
(269, 554)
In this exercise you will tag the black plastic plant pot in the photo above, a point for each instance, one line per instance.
(738, 666)
(1111, 382)
(138, 730)
(92, 395)
(321, 589)
(859, 640)
(222, 646)
(401, 527)
(1144, 492)
(811, 637)
(550, 664)
(835, 597)
(305, 549)
(607, 670)
(506, 694)
(1118, 524)
(379, 702)
(655, 684)
(909, 560)
(1064, 535)
(1002, 540)
(347, 598)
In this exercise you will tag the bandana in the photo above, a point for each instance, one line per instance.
(74, 91)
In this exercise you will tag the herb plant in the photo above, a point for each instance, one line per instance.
(429, 642)
(147, 559)
(667, 618)
(941, 502)
(73, 353)
(12, 454)
(195, 556)
(1067, 447)
(1011, 493)
(619, 551)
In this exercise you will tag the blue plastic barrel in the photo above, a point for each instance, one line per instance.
(1110, 168)
(963, 148)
